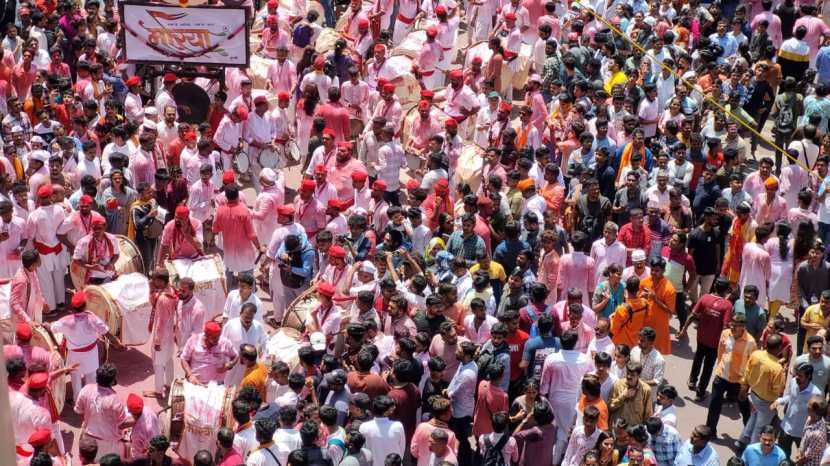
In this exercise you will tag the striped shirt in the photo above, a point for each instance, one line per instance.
(733, 353)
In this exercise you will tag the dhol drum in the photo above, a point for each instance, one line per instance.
(288, 153)
(43, 338)
(208, 274)
(192, 102)
(406, 133)
(182, 418)
(124, 304)
(243, 162)
(411, 45)
(268, 158)
(129, 261)
(470, 164)
(283, 346)
(296, 312)
(399, 70)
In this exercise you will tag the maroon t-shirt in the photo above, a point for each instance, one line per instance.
(713, 313)
(407, 401)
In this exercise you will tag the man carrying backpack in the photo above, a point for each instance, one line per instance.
(498, 448)
(787, 108)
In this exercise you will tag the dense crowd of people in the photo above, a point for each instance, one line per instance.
(494, 264)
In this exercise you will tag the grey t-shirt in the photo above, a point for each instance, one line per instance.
(364, 458)
(821, 369)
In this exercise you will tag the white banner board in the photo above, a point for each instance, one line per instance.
(203, 35)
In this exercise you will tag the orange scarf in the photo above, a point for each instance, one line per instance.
(625, 159)
(732, 262)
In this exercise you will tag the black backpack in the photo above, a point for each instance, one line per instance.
(485, 359)
(493, 455)
(785, 119)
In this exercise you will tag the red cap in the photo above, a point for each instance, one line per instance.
(86, 199)
(510, 16)
(282, 96)
(380, 48)
(190, 136)
(427, 93)
(38, 380)
(212, 329)
(380, 185)
(477, 60)
(484, 201)
(440, 10)
(326, 289)
(381, 82)
(335, 204)
(329, 132)
(451, 123)
(23, 332)
(285, 210)
(423, 105)
(135, 404)
(228, 177)
(40, 437)
(169, 77)
(112, 203)
(456, 74)
(432, 31)
(337, 251)
(347, 145)
(99, 221)
(273, 4)
(412, 184)
(505, 106)
(182, 211)
(442, 186)
(363, 23)
(44, 191)
(319, 62)
(133, 81)
(260, 99)
(242, 112)
(308, 185)
(359, 175)
(320, 169)
(271, 19)
(573, 37)
(389, 87)
(78, 299)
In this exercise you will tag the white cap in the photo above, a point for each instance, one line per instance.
(149, 124)
(368, 267)
(318, 341)
(17, 129)
(37, 139)
(638, 255)
(39, 155)
(268, 175)
(151, 111)
(535, 78)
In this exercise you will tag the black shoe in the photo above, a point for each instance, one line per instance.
(700, 396)
(691, 385)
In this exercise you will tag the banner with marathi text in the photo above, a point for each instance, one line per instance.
(200, 35)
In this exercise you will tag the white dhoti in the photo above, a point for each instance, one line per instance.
(105, 447)
(51, 275)
(234, 376)
(87, 362)
(401, 31)
(482, 21)
(434, 81)
(8, 267)
(565, 411)
(163, 367)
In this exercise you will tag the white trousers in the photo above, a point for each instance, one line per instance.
(565, 415)
(106, 447)
(163, 368)
(281, 295)
(401, 31)
(75, 378)
(53, 286)
(434, 81)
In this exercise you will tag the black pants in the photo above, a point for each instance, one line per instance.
(702, 365)
(720, 387)
(462, 427)
(786, 443)
(680, 308)
(392, 197)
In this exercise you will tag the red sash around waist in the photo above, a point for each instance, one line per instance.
(44, 249)
(85, 349)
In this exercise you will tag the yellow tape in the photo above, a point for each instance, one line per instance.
(680, 78)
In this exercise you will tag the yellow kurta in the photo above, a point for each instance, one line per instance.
(657, 317)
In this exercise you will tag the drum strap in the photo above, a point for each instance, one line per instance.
(272, 455)
(85, 349)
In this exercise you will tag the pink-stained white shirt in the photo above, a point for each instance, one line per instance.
(142, 166)
(816, 29)
(311, 215)
(30, 354)
(456, 100)
(236, 225)
(199, 200)
(338, 225)
(419, 445)
(605, 255)
(260, 129)
(324, 192)
(562, 375)
(102, 251)
(361, 199)
(377, 211)
(28, 416)
(576, 270)
(282, 76)
(180, 247)
(80, 329)
(429, 57)
(793, 179)
(754, 185)
(165, 303)
(322, 81)
(102, 411)
(76, 226)
(321, 156)
(340, 176)
(756, 269)
(481, 334)
(423, 130)
(279, 235)
(539, 110)
(585, 332)
(146, 427)
(228, 134)
(271, 40)
(356, 94)
(391, 158)
(796, 216)
(205, 363)
(42, 226)
(560, 311)
(327, 321)
(549, 274)
(389, 109)
(133, 108)
(763, 212)
(9, 257)
(264, 214)
(190, 319)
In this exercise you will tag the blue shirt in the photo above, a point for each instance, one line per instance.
(706, 457)
(729, 44)
(539, 346)
(819, 105)
(823, 64)
(754, 457)
(666, 445)
(795, 412)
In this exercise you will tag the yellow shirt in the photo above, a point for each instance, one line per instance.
(617, 78)
(634, 410)
(764, 375)
(256, 377)
(496, 271)
(813, 315)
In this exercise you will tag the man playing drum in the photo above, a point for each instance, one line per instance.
(190, 313)
(229, 134)
(207, 356)
(182, 237)
(104, 414)
(97, 253)
(326, 317)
